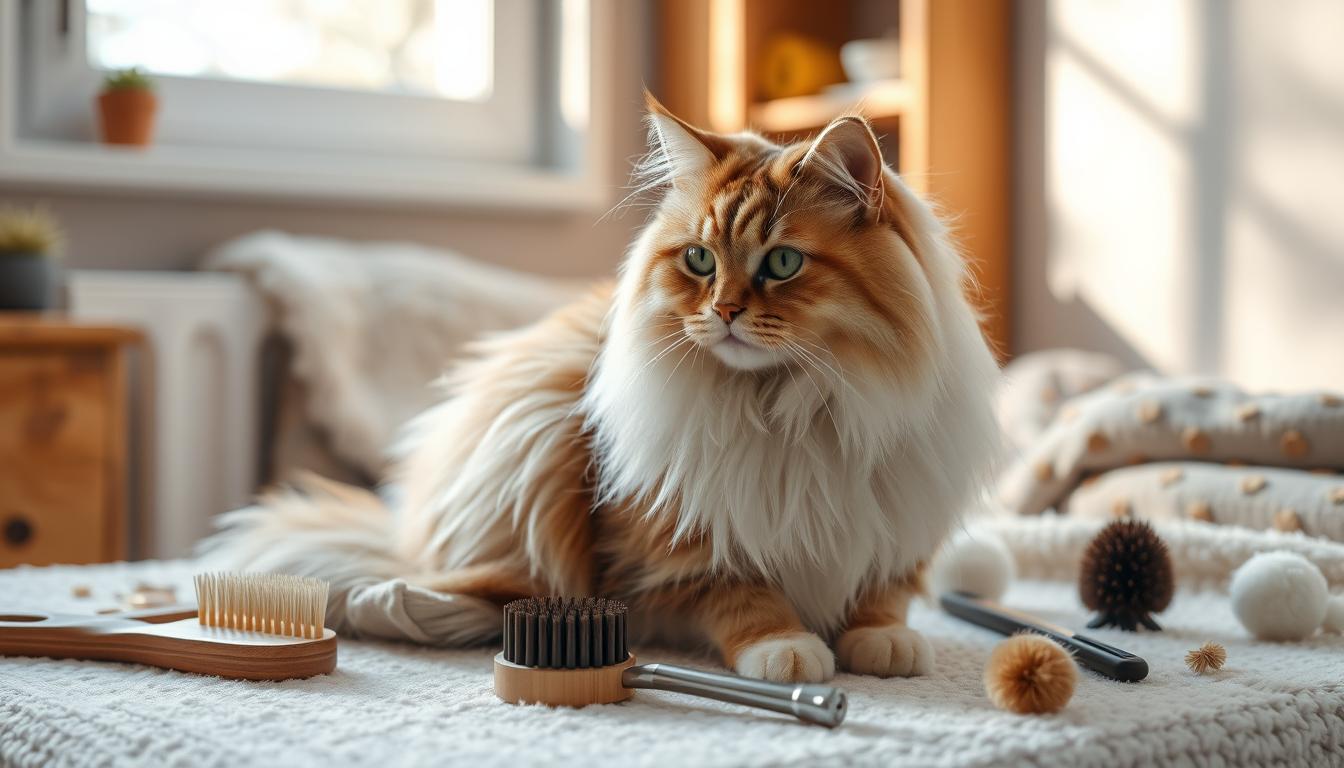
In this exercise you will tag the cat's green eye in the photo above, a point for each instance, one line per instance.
(700, 260)
(782, 263)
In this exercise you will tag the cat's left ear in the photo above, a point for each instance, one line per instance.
(847, 155)
(680, 148)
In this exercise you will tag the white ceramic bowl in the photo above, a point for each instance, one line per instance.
(867, 61)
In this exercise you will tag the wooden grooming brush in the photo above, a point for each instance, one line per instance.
(572, 652)
(248, 626)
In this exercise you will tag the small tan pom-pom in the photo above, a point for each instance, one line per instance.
(1195, 440)
(1248, 411)
(1331, 401)
(1208, 657)
(1045, 472)
(1150, 411)
(1097, 442)
(81, 591)
(1293, 444)
(1200, 510)
(1030, 675)
(1171, 476)
(1287, 520)
(1337, 495)
(1252, 484)
(1120, 508)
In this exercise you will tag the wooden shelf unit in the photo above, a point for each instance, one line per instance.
(878, 101)
(945, 125)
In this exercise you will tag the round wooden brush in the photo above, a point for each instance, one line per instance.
(572, 652)
(1126, 576)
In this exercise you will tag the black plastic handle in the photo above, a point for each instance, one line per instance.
(1097, 656)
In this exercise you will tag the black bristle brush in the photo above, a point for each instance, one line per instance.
(571, 651)
(1126, 576)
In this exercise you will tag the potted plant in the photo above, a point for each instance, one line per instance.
(30, 244)
(126, 108)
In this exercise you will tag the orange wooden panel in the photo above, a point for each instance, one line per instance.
(54, 456)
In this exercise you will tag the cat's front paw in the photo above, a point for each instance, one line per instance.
(800, 657)
(891, 651)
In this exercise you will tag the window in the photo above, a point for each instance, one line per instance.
(422, 47)
(416, 96)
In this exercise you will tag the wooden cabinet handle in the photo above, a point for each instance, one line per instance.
(18, 531)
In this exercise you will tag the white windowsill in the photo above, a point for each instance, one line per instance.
(289, 175)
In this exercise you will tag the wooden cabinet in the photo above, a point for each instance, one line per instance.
(64, 441)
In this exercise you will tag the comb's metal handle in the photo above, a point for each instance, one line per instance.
(820, 704)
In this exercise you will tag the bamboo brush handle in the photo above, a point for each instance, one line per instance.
(160, 615)
(182, 645)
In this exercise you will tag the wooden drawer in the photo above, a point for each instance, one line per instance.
(63, 450)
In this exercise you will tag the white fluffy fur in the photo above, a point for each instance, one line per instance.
(1279, 596)
(1334, 615)
(824, 481)
(979, 563)
(800, 657)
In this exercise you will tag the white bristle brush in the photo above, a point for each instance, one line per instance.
(248, 626)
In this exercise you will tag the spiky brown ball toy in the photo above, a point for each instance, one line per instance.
(1209, 657)
(1030, 675)
(1126, 576)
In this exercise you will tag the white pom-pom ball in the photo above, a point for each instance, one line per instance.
(979, 563)
(1334, 615)
(1279, 596)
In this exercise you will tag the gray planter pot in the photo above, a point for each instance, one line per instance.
(28, 281)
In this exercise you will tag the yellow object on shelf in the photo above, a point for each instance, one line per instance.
(795, 65)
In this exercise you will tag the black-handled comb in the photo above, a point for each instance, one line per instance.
(1093, 654)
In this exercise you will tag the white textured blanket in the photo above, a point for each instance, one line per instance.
(399, 704)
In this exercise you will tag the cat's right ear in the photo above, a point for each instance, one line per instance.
(679, 149)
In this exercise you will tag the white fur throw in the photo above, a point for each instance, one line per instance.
(407, 705)
(372, 324)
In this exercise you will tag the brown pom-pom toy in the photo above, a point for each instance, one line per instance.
(1208, 657)
(1031, 675)
(1126, 576)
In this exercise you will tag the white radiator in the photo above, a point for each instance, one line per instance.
(200, 394)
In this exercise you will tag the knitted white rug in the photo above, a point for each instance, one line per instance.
(393, 705)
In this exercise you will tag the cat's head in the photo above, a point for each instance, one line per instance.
(808, 255)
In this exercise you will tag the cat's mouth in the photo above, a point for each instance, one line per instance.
(733, 340)
(737, 351)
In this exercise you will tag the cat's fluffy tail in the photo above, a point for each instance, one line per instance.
(343, 535)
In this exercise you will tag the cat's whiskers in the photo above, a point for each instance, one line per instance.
(682, 337)
(840, 375)
(789, 348)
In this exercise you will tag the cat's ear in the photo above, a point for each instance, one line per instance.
(847, 155)
(676, 147)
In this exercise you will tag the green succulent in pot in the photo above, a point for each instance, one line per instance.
(30, 249)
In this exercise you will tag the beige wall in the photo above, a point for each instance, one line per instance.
(116, 231)
(1180, 185)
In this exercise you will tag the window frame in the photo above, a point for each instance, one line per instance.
(558, 164)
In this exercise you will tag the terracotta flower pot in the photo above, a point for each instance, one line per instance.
(126, 116)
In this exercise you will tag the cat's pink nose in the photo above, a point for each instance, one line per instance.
(727, 310)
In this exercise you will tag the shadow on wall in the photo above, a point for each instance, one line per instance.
(1175, 185)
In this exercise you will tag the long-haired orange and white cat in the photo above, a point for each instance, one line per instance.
(756, 437)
